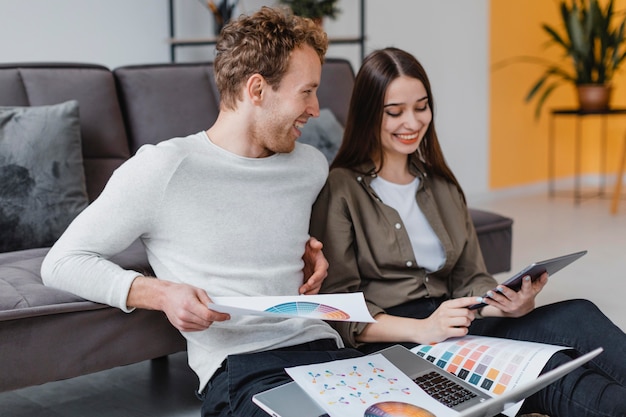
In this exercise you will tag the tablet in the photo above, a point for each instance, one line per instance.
(535, 270)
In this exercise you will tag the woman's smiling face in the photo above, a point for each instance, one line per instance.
(406, 116)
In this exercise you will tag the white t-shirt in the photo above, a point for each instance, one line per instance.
(427, 248)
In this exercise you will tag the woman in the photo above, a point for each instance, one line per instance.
(395, 225)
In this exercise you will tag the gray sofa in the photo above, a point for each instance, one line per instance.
(47, 334)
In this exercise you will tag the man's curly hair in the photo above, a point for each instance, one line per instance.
(261, 44)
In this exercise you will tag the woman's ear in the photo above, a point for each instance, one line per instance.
(254, 88)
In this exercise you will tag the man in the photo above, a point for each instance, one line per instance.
(221, 213)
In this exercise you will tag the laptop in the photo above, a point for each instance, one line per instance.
(289, 400)
(535, 270)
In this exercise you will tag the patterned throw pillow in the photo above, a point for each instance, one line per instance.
(42, 180)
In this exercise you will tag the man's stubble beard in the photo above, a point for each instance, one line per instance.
(276, 140)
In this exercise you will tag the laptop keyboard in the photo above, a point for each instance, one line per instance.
(444, 390)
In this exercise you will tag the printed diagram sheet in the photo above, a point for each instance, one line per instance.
(368, 386)
(333, 307)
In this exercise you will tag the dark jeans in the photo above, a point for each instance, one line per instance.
(596, 389)
(229, 392)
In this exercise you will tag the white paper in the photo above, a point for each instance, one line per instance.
(331, 307)
(493, 365)
(366, 386)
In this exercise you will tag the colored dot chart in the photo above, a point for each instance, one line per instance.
(368, 386)
(309, 309)
(491, 364)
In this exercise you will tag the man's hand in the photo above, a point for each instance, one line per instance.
(315, 267)
(186, 307)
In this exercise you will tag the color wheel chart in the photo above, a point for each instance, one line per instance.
(309, 309)
(396, 409)
(492, 364)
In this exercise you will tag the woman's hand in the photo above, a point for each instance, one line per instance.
(504, 302)
(315, 267)
(451, 319)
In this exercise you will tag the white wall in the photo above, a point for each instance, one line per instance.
(449, 37)
(108, 32)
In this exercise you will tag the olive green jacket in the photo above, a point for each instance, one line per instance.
(369, 250)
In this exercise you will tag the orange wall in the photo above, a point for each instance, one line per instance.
(519, 142)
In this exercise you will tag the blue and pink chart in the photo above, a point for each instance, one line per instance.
(396, 409)
(309, 309)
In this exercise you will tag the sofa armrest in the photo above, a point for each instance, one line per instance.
(495, 236)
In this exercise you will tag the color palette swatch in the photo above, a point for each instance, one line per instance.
(475, 363)
(491, 364)
(309, 309)
(396, 409)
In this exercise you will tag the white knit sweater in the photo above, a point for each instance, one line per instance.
(228, 224)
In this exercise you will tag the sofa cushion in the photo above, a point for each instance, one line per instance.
(42, 181)
(22, 293)
(324, 133)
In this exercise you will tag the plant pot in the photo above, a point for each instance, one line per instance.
(593, 97)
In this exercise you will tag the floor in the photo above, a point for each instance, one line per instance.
(544, 227)
(159, 388)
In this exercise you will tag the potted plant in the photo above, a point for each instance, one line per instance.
(595, 47)
(314, 9)
(222, 12)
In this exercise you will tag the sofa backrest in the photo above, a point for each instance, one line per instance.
(135, 105)
(163, 101)
(167, 100)
(336, 87)
(104, 141)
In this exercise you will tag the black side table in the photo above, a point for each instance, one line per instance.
(579, 115)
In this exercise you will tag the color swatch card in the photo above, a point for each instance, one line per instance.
(333, 307)
(494, 365)
(368, 386)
